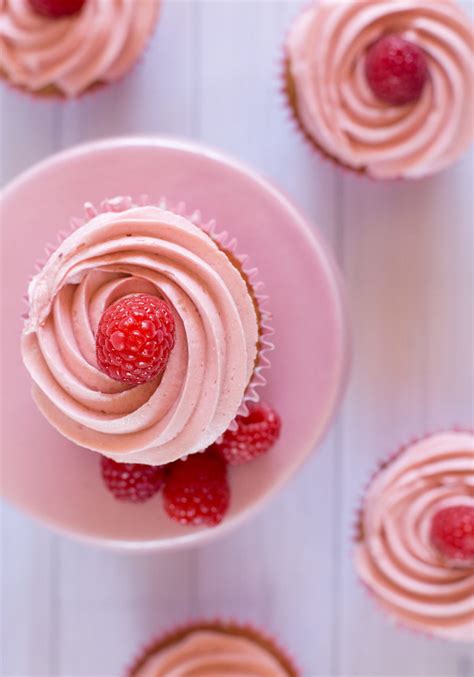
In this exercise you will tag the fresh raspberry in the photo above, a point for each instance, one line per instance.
(135, 338)
(255, 435)
(396, 70)
(55, 9)
(452, 533)
(132, 482)
(197, 491)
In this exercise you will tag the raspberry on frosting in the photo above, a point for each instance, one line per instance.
(55, 9)
(135, 338)
(452, 534)
(396, 70)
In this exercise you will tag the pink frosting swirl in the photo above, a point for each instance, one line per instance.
(326, 51)
(205, 652)
(99, 44)
(395, 557)
(141, 250)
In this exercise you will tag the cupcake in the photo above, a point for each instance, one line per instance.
(214, 648)
(145, 337)
(415, 546)
(67, 47)
(381, 87)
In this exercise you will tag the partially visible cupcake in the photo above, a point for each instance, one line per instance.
(381, 87)
(146, 335)
(415, 546)
(214, 648)
(67, 47)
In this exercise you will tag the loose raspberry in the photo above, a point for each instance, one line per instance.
(55, 9)
(132, 482)
(452, 533)
(135, 338)
(197, 491)
(255, 435)
(396, 70)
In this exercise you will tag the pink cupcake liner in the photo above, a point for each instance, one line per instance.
(251, 274)
(358, 535)
(227, 244)
(229, 626)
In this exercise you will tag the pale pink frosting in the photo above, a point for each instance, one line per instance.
(396, 559)
(326, 49)
(203, 653)
(141, 250)
(99, 44)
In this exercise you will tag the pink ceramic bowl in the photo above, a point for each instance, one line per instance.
(58, 482)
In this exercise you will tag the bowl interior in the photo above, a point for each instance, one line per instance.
(58, 482)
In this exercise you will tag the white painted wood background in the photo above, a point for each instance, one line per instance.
(406, 250)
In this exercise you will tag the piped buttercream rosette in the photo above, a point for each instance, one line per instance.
(329, 96)
(69, 55)
(394, 556)
(223, 332)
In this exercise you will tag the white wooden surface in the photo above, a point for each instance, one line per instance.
(406, 250)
